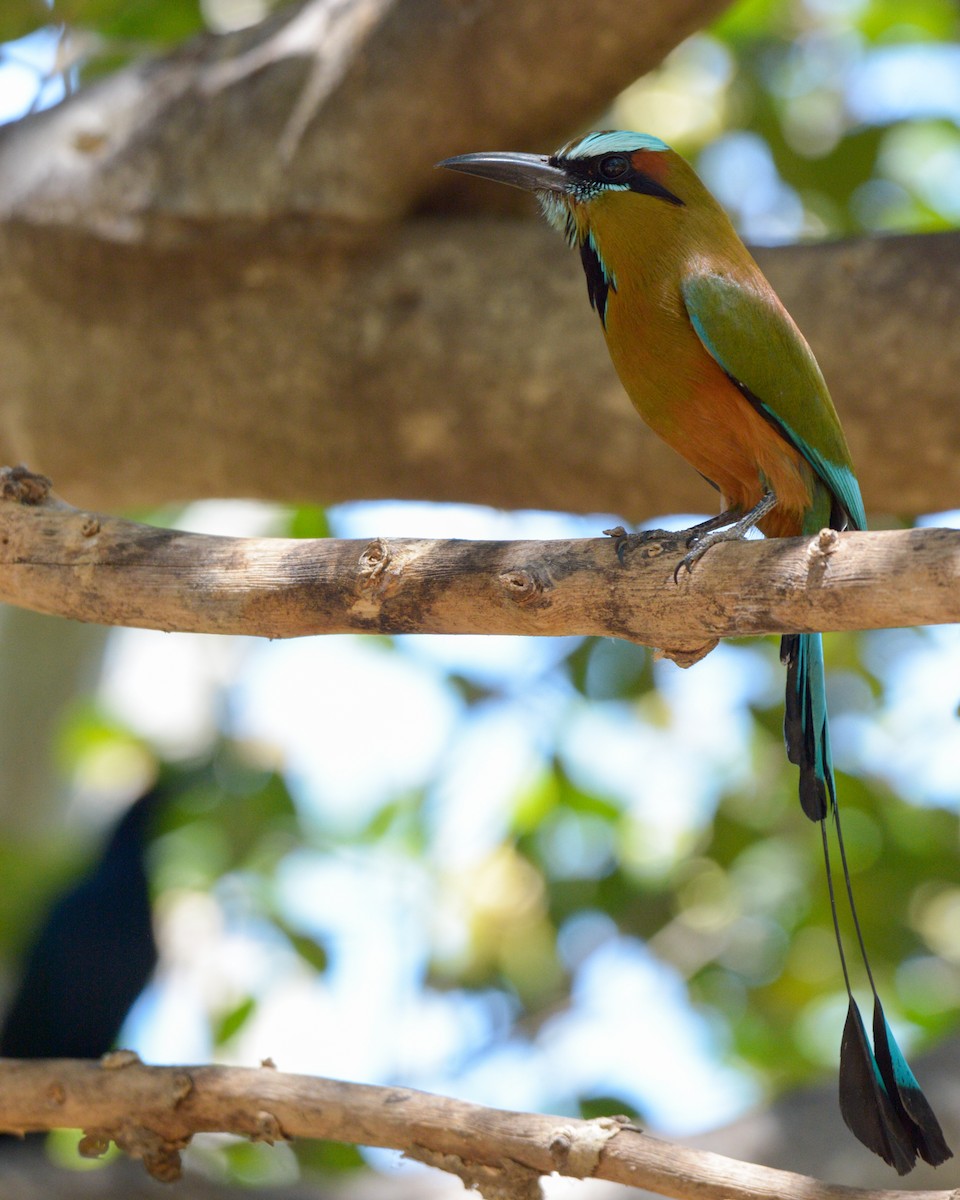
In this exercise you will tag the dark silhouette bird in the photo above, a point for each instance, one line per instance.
(92, 956)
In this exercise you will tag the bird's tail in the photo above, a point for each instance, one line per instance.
(880, 1099)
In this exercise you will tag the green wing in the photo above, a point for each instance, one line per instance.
(746, 329)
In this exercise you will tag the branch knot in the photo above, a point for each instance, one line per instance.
(576, 1149)
(23, 486)
(524, 585)
(379, 568)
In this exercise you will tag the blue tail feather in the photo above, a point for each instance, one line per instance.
(805, 722)
(880, 1099)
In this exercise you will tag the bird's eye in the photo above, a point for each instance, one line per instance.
(613, 167)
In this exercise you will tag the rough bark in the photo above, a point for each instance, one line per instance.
(78, 564)
(455, 360)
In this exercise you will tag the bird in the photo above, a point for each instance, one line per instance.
(93, 953)
(716, 366)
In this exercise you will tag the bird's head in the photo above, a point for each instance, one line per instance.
(585, 171)
(620, 197)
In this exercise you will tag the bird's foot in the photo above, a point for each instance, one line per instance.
(650, 538)
(728, 526)
(707, 535)
(699, 544)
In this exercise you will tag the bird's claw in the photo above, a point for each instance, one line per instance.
(695, 552)
(698, 545)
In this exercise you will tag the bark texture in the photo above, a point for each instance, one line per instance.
(452, 360)
(60, 560)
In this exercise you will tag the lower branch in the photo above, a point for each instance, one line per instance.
(153, 1112)
(61, 560)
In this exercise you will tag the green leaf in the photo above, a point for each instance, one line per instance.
(313, 953)
(609, 669)
(230, 1023)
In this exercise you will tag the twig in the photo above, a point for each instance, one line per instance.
(61, 560)
(152, 1113)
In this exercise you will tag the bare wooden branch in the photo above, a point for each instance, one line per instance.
(57, 559)
(153, 1112)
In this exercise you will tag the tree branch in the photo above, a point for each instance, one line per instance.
(336, 111)
(458, 361)
(153, 1112)
(57, 559)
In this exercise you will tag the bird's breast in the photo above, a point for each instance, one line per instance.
(684, 396)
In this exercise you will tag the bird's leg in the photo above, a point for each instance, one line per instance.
(727, 533)
(630, 541)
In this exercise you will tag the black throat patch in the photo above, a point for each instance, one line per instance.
(598, 281)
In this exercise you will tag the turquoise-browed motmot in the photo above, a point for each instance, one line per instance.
(715, 365)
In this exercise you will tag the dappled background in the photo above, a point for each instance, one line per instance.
(548, 874)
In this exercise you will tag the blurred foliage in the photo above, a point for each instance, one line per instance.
(795, 77)
(143, 22)
(733, 900)
(21, 17)
(98, 36)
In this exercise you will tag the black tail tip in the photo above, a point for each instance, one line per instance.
(880, 1099)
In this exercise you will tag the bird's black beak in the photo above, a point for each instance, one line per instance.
(532, 172)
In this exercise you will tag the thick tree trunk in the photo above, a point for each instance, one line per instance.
(452, 360)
